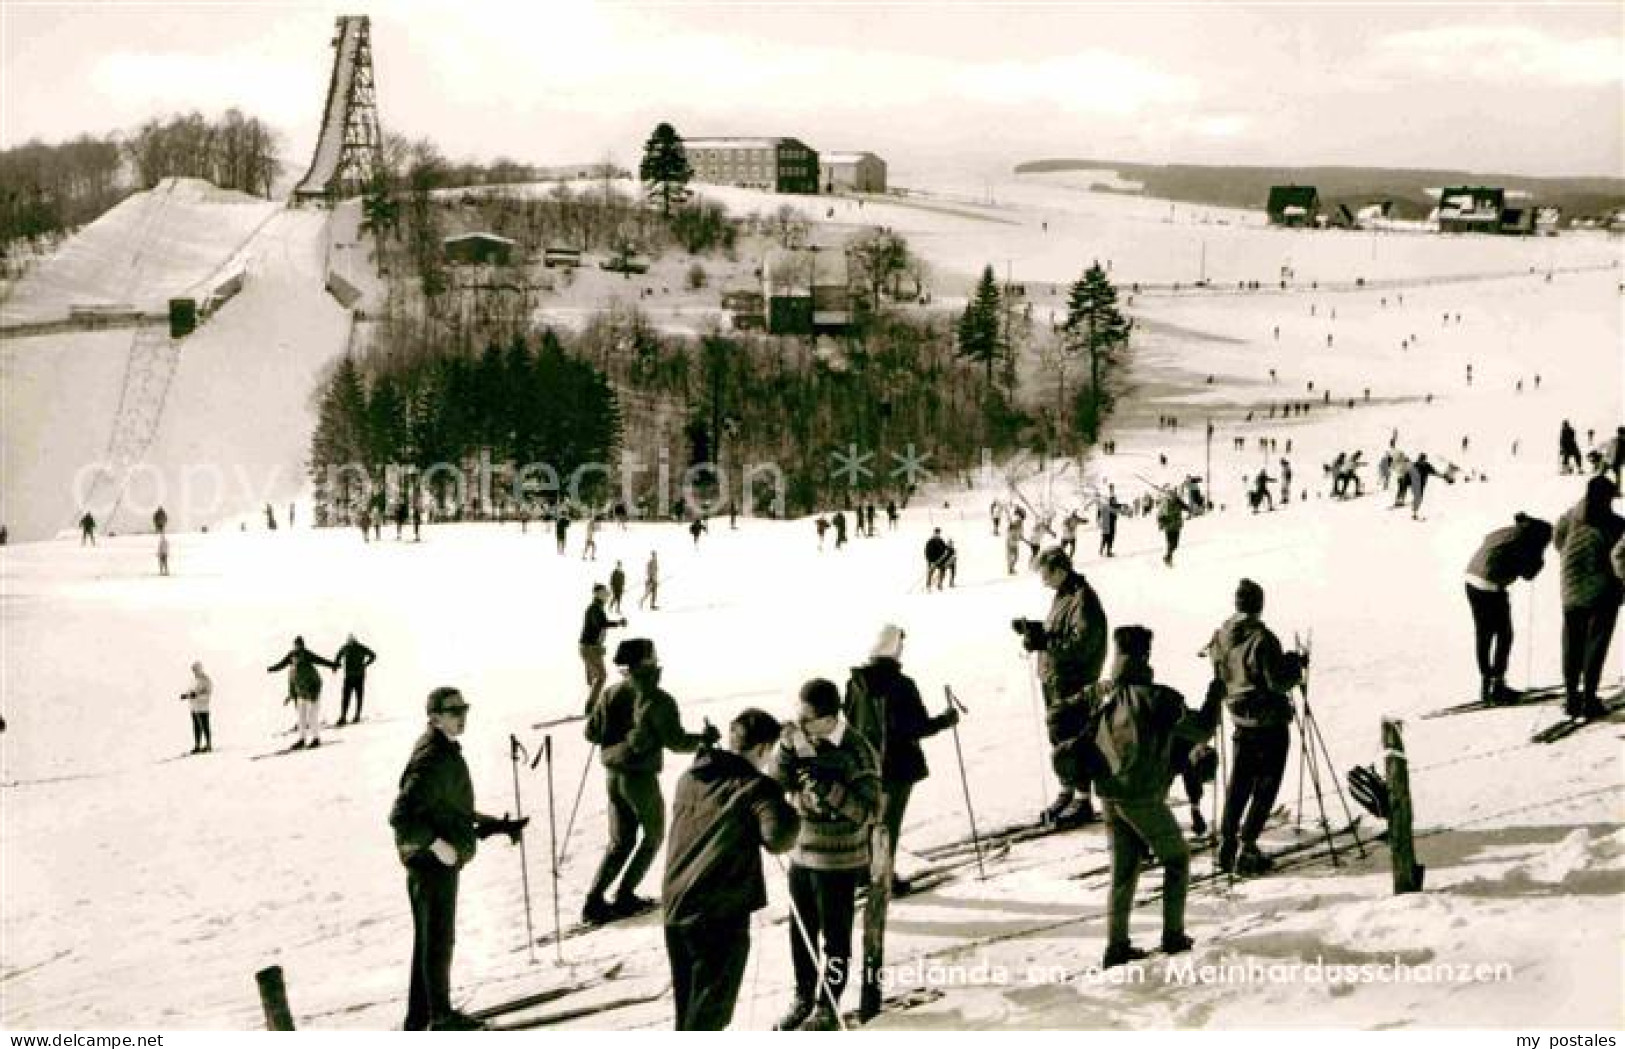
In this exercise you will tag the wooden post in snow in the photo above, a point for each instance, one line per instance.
(274, 999)
(1408, 874)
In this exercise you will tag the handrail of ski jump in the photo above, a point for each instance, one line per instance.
(330, 143)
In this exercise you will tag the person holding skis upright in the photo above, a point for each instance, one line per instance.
(638, 723)
(198, 696)
(831, 774)
(436, 830)
(355, 658)
(1071, 647)
(1121, 733)
(1171, 519)
(1257, 680)
(1505, 556)
(1585, 538)
(304, 690)
(1110, 509)
(726, 809)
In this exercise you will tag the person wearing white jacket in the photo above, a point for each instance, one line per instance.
(198, 696)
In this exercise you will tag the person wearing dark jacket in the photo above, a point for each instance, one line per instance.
(355, 658)
(304, 690)
(1257, 678)
(1585, 538)
(1071, 647)
(617, 587)
(436, 830)
(832, 776)
(1420, 471)
(936, 552)
(1171, 519)
(641, 723)
(1505, 556)
(726, 810)
(595, 623)
(1126, 728)
(1110, 508)
(883, 704)
(1568, 449)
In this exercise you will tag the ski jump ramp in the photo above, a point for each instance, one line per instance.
(348, 149)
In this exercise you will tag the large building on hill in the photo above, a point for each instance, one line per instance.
(852, 172)
(1293, 205)
(783, 165)
(1471, 209)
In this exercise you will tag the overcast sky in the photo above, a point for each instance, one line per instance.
(1485, 87)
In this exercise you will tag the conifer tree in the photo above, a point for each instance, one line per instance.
(665, 169)
(979, 336)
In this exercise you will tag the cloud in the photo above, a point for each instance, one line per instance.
(1503, 54)
(138, 85)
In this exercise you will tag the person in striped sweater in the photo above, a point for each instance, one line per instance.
(832, 777)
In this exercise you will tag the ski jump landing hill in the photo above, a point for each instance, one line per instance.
(103, 410)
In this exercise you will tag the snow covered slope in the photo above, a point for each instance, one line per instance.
(211, 868)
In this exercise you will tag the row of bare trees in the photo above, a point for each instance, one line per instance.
(46, 189)
(234, 152)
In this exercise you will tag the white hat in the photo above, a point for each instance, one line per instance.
(889, 643)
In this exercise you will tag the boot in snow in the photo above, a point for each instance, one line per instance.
(1227, 855)
(1120, 954)
(823, 1018)
(1251, 861)
(799, 1010)
(1178, 943)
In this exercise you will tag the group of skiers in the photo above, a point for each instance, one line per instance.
(305, 685)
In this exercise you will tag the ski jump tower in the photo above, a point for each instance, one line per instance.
(349, 149)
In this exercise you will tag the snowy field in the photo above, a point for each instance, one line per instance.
(144, 892)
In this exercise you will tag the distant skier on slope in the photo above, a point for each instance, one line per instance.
(651, 584)
(87, 529)
(1568, 449)
(726, 809)
(1110, 510)
(936, 549)
(304, 690)
(1419, 473)
(1505, 556)
(1013, 539)
(1585, 539)
(617, 587)
(1121, 733)
(1257, 678)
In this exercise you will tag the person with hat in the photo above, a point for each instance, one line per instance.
(1505, 556)
(1585, 538)
(1257, 680)
(936, 551)
(639, 723)
(595, 623)
(436, 830)
(1122, 733)
(198, 697)
(355, 658)
(1071, 647)
(304, 690)
(725, 811)
(832, 776)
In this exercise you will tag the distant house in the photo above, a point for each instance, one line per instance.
(1547, 220)
(1518, 221)
(478, 249)
(853, 172)
(1293, 205)
(806, 290)
(783, 165)
(1471, 209)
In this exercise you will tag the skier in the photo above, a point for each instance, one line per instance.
(891, 514)
(936, 549)
(1257, 679)
(617, 587)
(1260, 495)
(365, 521)
(1171, 519)
(1568, 449)
(87, 529)
(417, 522)
(832, 776)
(696, 528)
(950, 566)
(1505, 556)
(198, 697)
(822, 525)
(1615, 459)
(400, 519)
(561, 528)
(595, 623)
(1286, 483)
(883, 705)
(1585, 538)
(651, 584)
(304, 690)
(355, 658)
(1420, 471)
(840, 529)
(725, 809)
(1121, 732)
(589, 546)
(1069, 533)
(160, 519)
(1402, 484)
(639, 723)
(733, 517)
(995, 510)
(163, 554)
(1013, 539)
(1109, 511)
(436, 830)
(1071, 647)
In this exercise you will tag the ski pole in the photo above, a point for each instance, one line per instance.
(964, 782)
(1038, 727)
(515, 749)
(581, 788)
(553, 849)
(812, 948)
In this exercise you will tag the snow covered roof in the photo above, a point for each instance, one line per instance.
(845, 158)
(486, 238)
(736, 143)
